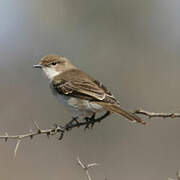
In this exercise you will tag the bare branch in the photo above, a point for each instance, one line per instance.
(52, 131)
(177, 176)
(155, 114)
(86, 167)
(73, 124)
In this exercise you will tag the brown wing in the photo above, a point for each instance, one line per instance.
(78, 84)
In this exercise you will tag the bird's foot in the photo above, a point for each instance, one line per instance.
(90, 121)
(72, 123)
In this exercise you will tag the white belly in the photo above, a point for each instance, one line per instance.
(79, 106)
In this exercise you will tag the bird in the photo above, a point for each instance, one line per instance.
(83, 95)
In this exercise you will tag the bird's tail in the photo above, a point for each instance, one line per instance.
(115, 108)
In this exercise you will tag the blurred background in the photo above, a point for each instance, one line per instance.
(132, 46)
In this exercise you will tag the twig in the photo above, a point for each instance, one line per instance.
(31, 134)
(16, 148)
(73, 124)
(177, 176)
(86, 167)
(50, 132)
(155, 114)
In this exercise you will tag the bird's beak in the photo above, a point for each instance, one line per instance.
(37, 66)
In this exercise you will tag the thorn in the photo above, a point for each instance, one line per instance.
(31, 136)
(86, 166)
(6, 133)
(16, 148)
(48, 134)
(36, 125)
(173, 116)
(61, 136)
(39, 131)
(80, 163)
(6, 138)
(92, 165)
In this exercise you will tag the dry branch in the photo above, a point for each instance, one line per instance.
(155, 114)
(177, 176)
(60, 130)
(52, 131)
(31, 134)
(86, 167)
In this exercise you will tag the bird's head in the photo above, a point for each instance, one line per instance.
(53, 65)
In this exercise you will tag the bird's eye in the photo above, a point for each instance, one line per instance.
(54, 63)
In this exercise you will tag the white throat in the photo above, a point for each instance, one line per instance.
(51, 73)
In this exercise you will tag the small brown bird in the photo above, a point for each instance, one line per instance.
(83, 95)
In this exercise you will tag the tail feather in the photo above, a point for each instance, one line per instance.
(118, 110)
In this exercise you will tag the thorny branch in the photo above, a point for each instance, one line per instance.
(31, 134)
(60, 130)
(56, 130)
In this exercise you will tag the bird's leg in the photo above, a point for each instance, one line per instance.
(75, 119)
(99, 119)
(90, 120)
(69, 125)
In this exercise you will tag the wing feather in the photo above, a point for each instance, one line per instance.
(76, 83)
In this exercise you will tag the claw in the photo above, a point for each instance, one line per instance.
(61, 136)
(90, 121)
(69, 125)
